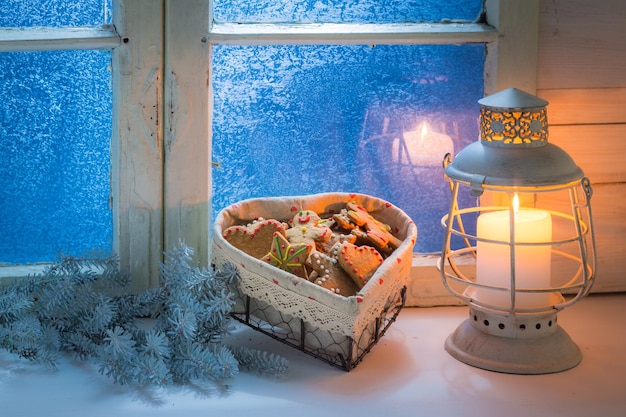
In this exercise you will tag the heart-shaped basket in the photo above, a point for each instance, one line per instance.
(334, 328)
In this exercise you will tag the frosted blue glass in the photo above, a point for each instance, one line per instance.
(336, 11)
(292, 120)
(55, 130)
(54, 13)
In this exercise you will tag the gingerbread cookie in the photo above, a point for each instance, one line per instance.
(287, 256)
(305, 229)
(342, 220)
(255, 238)
(335, 238)
(328, 273)
(376, 232)
(360, 262)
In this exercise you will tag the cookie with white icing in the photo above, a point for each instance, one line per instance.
(328, 273)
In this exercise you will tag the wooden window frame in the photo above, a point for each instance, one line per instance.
(161, 139)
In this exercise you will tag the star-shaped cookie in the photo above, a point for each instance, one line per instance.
(287, 256)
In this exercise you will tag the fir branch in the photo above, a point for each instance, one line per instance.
(194, 361)
(119, 343)
(26, 338)
(227, 274)
(182, 324)
(148, 303)
(79, 344)
(13, 305)
(260, 361)
(82, 305)
(50, 340)
(99, 316)
(118, 369)
(152, 370)
(156, 344)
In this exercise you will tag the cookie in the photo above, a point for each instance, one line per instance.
(305, 229)
(359, 262)
(361, 238)
(328, 273)
(287, 256)
(376, 232)
(342, 220)
(255, 238)
(335, 238)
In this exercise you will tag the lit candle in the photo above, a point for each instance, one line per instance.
(532, 263)
(421, 147)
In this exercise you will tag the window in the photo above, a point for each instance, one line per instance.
(373, 115)
(169, 140)
(374, 119)
(335, 11)
(55, 131)
(55, 13)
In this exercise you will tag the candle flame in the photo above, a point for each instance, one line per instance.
(515, 203)
(424, 130)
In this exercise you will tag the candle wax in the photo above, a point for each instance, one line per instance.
(532, 263)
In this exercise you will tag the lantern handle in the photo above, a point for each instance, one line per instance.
(447, 160)
(586, 185)
(476, 184)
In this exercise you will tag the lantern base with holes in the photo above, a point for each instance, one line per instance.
(336, 329)
(532, 344)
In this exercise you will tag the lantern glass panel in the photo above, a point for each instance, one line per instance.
(557, 260)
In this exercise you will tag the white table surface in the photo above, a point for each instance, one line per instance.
(408, 373)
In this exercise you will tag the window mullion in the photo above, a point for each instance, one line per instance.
(511, 59)
(187, 173)
(48, 39)
(351, 33)
(137, 140)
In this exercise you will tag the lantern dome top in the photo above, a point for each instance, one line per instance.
(512, 98)
(513, 150)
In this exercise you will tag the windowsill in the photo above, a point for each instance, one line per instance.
(408, 373)
(16, 271)
(285, 33)
(426, 288)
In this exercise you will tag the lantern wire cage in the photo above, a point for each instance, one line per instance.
(508, 335)
(576, 247)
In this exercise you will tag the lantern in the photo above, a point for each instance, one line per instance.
(526, 251)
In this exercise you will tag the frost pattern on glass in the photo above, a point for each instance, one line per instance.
(337, 11)
(54, 13)
(293, 120)
(55, 129)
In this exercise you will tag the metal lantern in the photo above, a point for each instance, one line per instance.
(526, 251)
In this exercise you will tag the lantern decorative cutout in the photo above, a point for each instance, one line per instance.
(516, 264)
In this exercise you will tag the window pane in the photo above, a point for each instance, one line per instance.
(292, 120)
(336, 11)
(54, 13)
(55, 129)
